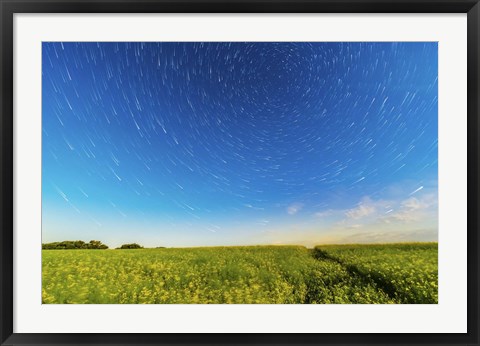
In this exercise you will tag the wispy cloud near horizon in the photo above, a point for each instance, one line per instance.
(294, 208)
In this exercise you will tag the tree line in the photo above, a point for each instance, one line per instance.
(80, 244)
(74, 244)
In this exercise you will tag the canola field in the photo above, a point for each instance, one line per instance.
(330, 274)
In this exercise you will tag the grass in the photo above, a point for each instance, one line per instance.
(351, 274)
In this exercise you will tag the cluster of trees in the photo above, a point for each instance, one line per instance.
(79, 244)
(130, 246)
(74, 244)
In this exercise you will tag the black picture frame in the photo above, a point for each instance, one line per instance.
(10, 7)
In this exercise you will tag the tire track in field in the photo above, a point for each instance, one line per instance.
(371, 278)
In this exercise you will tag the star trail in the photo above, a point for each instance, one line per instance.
(222, 143)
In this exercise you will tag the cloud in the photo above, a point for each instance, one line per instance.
(393, 211)
(413, 204)
(387, 237)
(294, 208)
(403, 216)
(324, 213)
(361, 211)
(368, 207)
(411, 210)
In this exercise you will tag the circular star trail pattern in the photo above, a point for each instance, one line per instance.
(198, 130)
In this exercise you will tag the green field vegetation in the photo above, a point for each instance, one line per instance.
(407, 272)
(351, 274)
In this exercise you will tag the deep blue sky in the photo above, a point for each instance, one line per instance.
(183, 144)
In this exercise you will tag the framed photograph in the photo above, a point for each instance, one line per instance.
(242, 172)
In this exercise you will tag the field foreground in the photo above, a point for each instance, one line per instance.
(351, 274)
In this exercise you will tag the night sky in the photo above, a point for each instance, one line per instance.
(189, 144)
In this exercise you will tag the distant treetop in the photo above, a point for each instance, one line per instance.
(130, 246)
